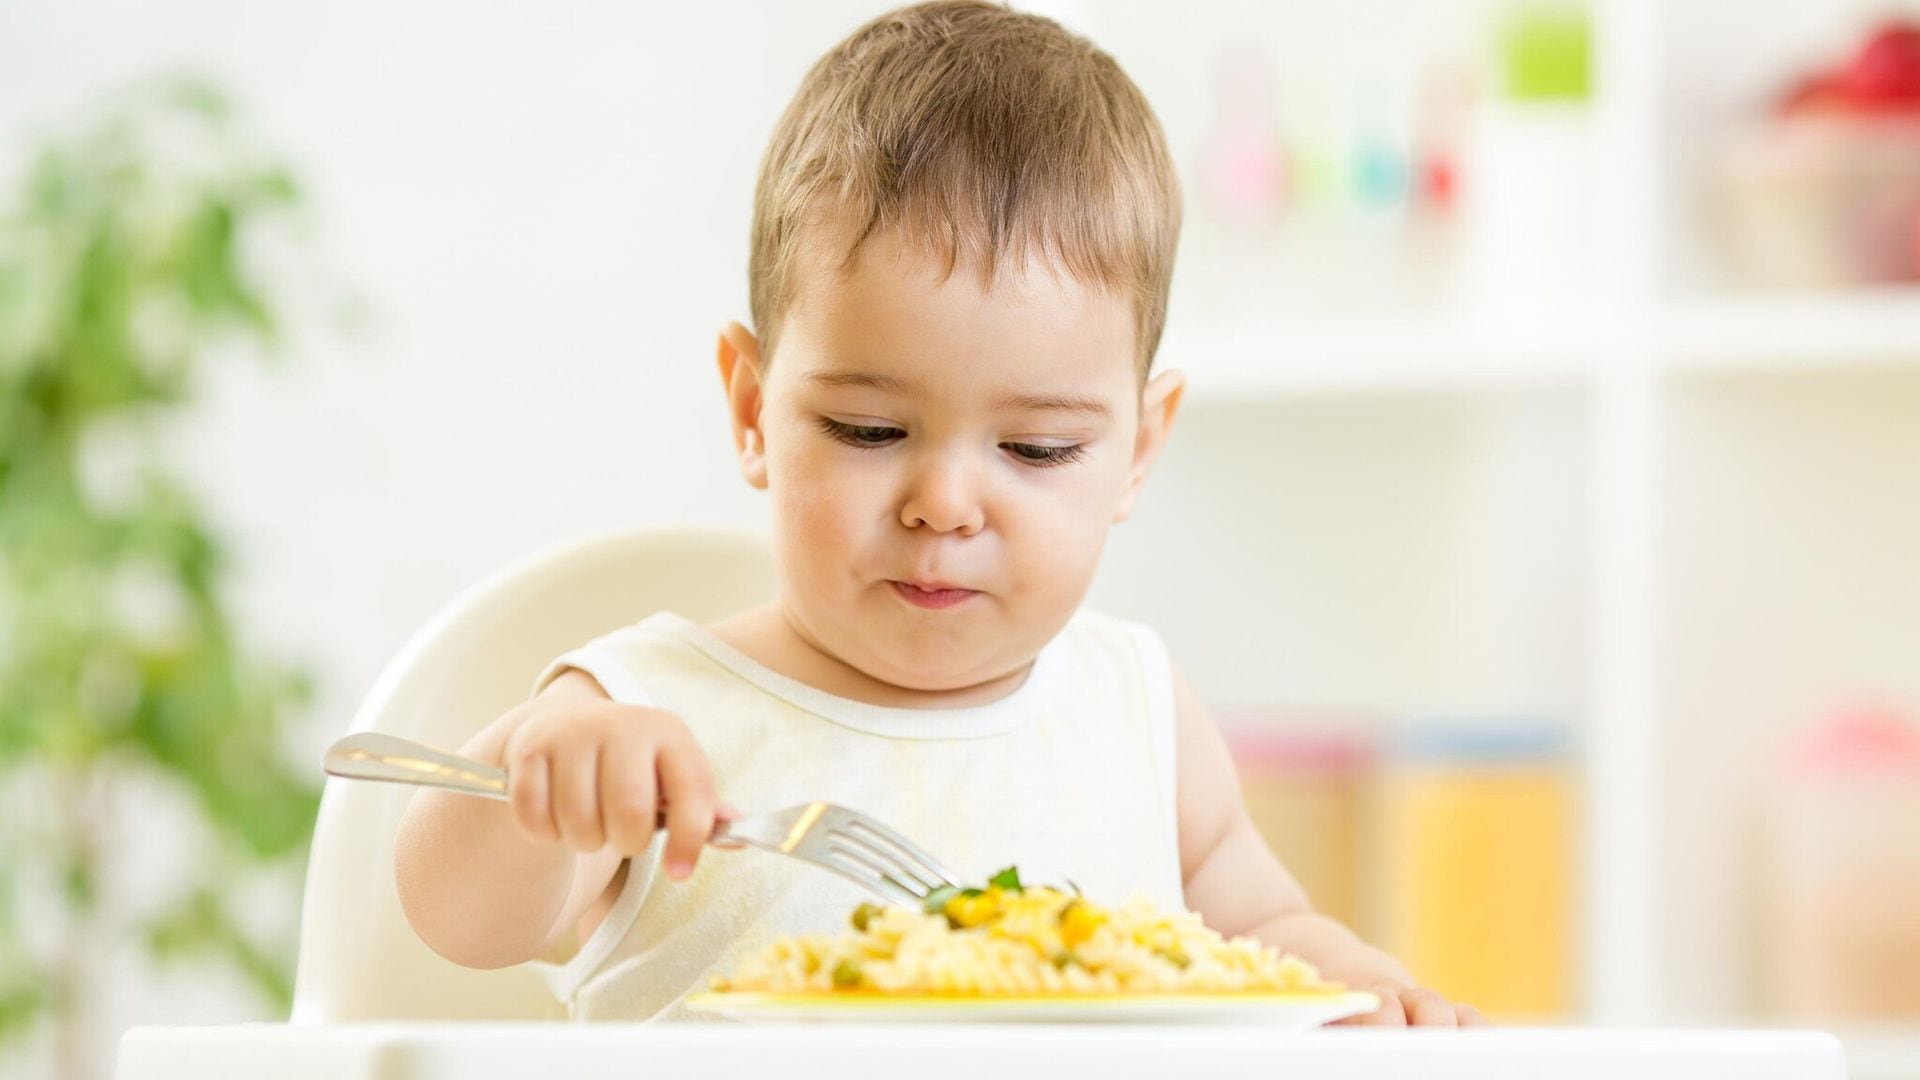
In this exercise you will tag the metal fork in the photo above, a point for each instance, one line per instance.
(847, 842)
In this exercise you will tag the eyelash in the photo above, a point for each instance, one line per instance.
(873, 437)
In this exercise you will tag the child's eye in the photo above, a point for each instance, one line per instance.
(1043, 456)
(867, 435)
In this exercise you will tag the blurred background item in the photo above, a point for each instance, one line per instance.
(1820, 188)
(1452, 841)
(1528, 256)
(1473, 862)
(1304, 779)
(129, 257)
(1842, 879)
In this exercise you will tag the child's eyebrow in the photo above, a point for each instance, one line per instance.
(1088, 406)
(861, 378)
(893, 385)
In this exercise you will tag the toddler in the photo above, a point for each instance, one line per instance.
(963, 235)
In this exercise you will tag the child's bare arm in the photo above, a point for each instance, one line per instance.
(1237, 885)
(489, 884)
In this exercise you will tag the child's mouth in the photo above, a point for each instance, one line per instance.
(935, 598)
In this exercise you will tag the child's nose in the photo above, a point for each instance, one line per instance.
(944, 496)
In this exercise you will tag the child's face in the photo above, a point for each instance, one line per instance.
(944, 461)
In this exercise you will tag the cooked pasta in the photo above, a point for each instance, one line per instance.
(1006, 940)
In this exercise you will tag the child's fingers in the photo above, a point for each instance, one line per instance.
(628, 802)
(1469, 1016)
(527, 794)
(686, 784)
(576, 797)
(1389, 1014)
(1426, 1008)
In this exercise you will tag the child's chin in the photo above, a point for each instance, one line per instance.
(921, 678)
(934, 671)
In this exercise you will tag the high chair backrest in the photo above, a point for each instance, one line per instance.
(359, 960)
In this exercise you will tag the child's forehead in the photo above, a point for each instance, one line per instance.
(897, 303)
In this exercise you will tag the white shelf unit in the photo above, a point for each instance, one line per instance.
(1419, 511)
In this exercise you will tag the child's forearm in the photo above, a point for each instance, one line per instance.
(475, 888)
(1332, 948)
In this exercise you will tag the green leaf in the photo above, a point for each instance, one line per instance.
(21, 1003)
(1008, 879)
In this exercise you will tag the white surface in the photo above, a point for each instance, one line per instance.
(1620, 901)
(1280, 359)
(1885, 1053)
(627, 1051)
(1281, 1012)
(359, 960)
(1799, 331)
(1283, 358)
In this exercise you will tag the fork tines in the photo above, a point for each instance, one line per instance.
(898, 864)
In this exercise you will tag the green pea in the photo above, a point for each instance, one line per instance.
(846, 974)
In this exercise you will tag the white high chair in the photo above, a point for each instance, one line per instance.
(359, 960)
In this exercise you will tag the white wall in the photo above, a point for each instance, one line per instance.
(544, 208)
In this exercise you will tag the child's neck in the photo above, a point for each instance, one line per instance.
(770, 638)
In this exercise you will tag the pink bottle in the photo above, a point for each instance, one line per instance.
(1243, 171)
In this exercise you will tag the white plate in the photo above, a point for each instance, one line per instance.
(1297, 1011)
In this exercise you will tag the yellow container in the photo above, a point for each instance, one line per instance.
(1472, 889)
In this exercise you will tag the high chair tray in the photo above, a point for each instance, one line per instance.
(600, 1051)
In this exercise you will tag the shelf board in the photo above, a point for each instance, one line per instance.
(1887, 1053)
(1857, 328)
(1389, 354)
(1279, 358)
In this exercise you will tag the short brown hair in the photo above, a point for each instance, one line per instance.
(987, 136)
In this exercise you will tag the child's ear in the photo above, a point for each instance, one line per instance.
(1159, 401)
(739, 356)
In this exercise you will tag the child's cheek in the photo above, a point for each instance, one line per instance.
(823, 499)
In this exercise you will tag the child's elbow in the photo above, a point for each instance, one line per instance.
(445, 915)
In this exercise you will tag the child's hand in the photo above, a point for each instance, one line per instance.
(1402, 1006)
(592, 773)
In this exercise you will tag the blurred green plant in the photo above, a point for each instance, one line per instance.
(126, 264)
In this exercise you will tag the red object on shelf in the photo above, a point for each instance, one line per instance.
(1439, 185)
(1885, 74)
(1882, 77)
(1820, 92)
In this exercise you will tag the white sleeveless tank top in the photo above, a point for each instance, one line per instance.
(1070, 777)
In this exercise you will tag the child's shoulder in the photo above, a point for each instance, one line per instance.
(629, 662)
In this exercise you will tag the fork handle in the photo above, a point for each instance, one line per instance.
(372, 755)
